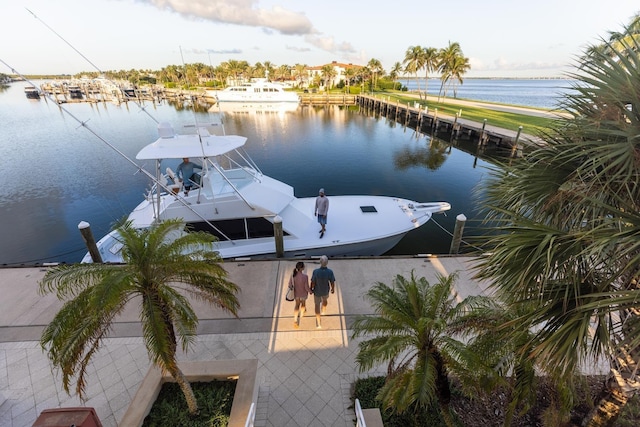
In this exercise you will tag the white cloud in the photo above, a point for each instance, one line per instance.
(239, 12)
(328, 44)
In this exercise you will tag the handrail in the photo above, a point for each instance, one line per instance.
(360, 422)
(251, 415)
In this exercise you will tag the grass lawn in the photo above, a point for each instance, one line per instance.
(507, 120)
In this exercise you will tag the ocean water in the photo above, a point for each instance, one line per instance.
(57, 172)
(542, 93)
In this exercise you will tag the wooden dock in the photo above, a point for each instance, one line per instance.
(327, 99)
(447, 127)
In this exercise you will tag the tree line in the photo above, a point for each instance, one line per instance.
(449, 62)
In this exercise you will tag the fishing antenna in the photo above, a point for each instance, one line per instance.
(114, 148)
(142, 107)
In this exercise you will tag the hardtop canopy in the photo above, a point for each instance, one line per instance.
(171, 146)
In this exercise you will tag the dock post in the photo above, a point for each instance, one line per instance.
(279, 236)
(482, 135)
(514, 149)
(454, 128)
(87, 236)
(457, 234)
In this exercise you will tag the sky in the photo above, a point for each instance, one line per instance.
(501, 38)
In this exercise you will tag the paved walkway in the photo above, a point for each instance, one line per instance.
(304, 375)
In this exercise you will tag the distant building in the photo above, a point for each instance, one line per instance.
(315, 73)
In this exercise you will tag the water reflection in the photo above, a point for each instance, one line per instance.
(79, 178)
(432, 156)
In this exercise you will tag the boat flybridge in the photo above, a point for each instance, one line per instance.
(235, 201)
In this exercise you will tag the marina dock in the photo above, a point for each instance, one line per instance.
(412, 115)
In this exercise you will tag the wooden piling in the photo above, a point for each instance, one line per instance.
(89, 241)
(457, 234)
(278, 234)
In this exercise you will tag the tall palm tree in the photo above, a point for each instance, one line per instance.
(568, 222)
(158, 273)
(376, 68)
(452, 64)
(431, 57)
(301, 74)
(414, 62)
(458, 68)
(328, 73)
(394, 73)
(236, 69)
(349, 74)
(414, 329)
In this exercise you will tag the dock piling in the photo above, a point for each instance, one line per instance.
(87, 236)
(278, 234)
(457, 234)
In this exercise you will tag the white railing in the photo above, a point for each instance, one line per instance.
(251, 416)
(359, 416)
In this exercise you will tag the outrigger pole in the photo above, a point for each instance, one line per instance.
(142, 107)
(114, 148)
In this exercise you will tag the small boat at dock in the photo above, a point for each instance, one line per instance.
(32, 92)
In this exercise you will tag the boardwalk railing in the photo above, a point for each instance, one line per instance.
(360, 422)
(251, 416)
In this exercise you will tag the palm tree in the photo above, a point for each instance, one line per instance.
(236, 69)
(349, 74)
(394, 73)
(452, 64)
(568, 222)
(414, 62)
(619, 41)
(158, 273)
(301, 74)
(431, 59)
(457, 69)
(328, 73)
(376, 67)
(414, 329)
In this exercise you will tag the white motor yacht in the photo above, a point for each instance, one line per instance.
(234, 200)
(258, 90)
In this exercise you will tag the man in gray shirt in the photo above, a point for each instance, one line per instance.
(322, 207)
(185, 172)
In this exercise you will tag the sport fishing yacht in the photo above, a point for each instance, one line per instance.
(234, 200)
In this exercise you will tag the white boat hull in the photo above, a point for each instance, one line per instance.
(260, 90)
(239, 205)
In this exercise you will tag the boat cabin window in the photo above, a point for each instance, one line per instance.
(368, 209)
(237, 229)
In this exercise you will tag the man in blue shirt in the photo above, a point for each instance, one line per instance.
(321, 281)
(185, 173)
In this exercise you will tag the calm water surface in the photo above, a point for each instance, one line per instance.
(55, 173)
(541, 93)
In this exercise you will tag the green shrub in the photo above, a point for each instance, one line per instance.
(214, 402)
(366, 389)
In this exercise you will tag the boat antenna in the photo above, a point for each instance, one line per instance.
(138, 103)
(114, 148)
(195, 116)
(81, 122)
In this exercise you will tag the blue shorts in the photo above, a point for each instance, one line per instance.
(322, 219)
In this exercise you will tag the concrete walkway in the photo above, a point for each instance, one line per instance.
(304, 375)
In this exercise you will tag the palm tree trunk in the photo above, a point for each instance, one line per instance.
(613, 398)
(172, 367)
(444, 390)
(185, 386)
